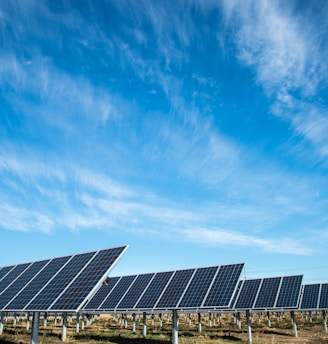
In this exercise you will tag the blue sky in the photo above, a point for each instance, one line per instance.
(193, 131)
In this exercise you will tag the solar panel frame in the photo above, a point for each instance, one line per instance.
(268, 293)
(248, 294)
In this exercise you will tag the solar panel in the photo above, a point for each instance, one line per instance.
(268, 293)
(101, 294)
(289, 292)
(310, 296)
(196, 292)
(247, 294)
(224, 286)
(134, 293)
(4, 271)
(174, 290)
(12, 275)
(83, 284)
(169, 290)
(323, 303)
(118, 292)
(57, 284)
(154, 290)
(8, 294)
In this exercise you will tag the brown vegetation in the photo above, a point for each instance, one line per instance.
(215, 329)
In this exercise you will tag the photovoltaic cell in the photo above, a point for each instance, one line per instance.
(154, 290)
(268, 293)
(323, 304)
(310, 296)
(289, 292)
(101, 294)
(198, 287)
(247, 294)
(224, 285)
(118, 292)
(174, 290)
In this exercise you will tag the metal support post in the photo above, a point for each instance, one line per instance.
(35, 328)
(175, 326)
(249, 327)
(133, 322)
(199, 323)
(77, 324)
(144, 327)
(1, 323)
(324, 319)
(292, 314)
(64, 327)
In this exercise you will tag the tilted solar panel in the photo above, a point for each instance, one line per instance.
(15, 287)
(60, 284)
(135, 292)
(310, 296)
(101, 294)
(4, 271)
(174, 290)
(224, 286)
(196, 292)
(247, 295)
(323, 303)
(118, 292)
(154, 290)
(289, 292)
(268, 293)
(82, 285)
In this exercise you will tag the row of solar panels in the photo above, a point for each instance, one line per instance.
(211, 287)
(55, 284)
(75, 283)
(194, 289)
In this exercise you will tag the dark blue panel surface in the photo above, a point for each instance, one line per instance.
(154, 290)
(36, 285)
(175, 288)
(247, 294)
(118, 292)
(8, 294)
(102, 294)
(4, 271)
(289, 292)
(88, 277)
(323, 303)
(196, 292)
(310, 296)
(224, 285)
(12, 275)
(135, 292)
(268, 293)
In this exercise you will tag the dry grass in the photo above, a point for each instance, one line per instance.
(108, 329)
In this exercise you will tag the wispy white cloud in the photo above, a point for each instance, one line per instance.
(288, 60)
(211, 237)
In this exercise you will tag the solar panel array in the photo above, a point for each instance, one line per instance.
(210, 287)
(58, 284)
(314, 296)
(269, 293)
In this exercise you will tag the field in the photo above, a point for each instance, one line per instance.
(223, 329)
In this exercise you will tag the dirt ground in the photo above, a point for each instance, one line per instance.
(214, 329)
